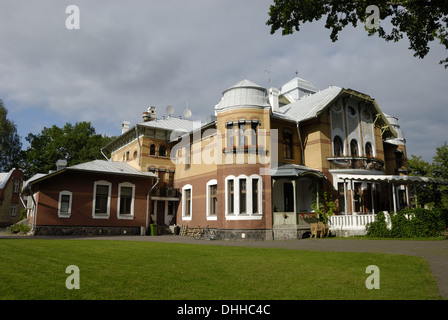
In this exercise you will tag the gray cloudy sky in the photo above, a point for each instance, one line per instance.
(129, 55)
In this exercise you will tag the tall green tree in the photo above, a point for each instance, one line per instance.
(75, 143)
(10, 144)
(421, 21)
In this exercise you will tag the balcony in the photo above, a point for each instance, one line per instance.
(364, 163)
(165, 192)
(251, 149)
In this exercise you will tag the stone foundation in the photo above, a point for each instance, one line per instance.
(244, 234)
(86, 231)
(291, 232)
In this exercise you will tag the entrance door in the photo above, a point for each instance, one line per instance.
(288, 191)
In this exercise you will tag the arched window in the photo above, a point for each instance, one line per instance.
(354, 148)
(369, 150)
(338, 148)
(162, 151)
(152, 150)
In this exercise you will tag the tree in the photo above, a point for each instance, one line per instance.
(10, 144)
(422, 21)
(437, 194)
(76, 144)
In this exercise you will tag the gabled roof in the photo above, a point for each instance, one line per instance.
(96, 166)
(310, 106)
(4, 177)
(313, 105)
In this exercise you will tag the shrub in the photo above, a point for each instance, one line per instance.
(409, 223)
(16, 228)
(378, 228)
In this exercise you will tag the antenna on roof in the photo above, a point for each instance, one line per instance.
(269, 75)
(297, 73)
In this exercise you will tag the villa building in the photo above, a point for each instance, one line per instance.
(255, 168)
(10, 204)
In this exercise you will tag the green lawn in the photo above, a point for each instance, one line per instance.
(35, 269)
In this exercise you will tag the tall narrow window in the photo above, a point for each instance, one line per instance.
(287, 140)
(254, 195)
(13, 210)
(242, 135)
(187, 203)
(126, 200)
(16, 186)
(213, 200)
(338, 149)
(230, 136)
(152, 150)
(231, 198)
(243, 193)
(65, 204)
(101, 199)
(341, 197)
(369, 150)
(354, 148)
(162, 151)
(253, 133)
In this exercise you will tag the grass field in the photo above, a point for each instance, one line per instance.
(124, 270)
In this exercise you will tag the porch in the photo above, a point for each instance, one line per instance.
(294, 188)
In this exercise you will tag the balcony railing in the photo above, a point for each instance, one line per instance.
(167, 192)
(366, 163)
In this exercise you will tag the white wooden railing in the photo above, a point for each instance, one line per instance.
(355, 222)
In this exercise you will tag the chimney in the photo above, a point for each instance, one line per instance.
(125, 126)
(150, 114)
(273, 98)
(61, 164)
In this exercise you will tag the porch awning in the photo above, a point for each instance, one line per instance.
(393, 179)
(295, 170)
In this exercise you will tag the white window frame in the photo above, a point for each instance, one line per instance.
(210, 216)
(13, 210)
(101, 215)
(248, 215)
(69, 213)
(126, 216)
(16, 187)
(184, 188)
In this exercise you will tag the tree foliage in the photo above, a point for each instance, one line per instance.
(10, 145)
(422, 21)
(75, 143)
(436, 195)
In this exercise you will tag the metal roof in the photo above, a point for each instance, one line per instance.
(96, 166)
(172, 123)
(112, 167)
(393, 179)
(4, 177)
(294, 170)
(309, 107)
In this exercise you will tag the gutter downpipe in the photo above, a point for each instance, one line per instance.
(147, 202)
(104, 154)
